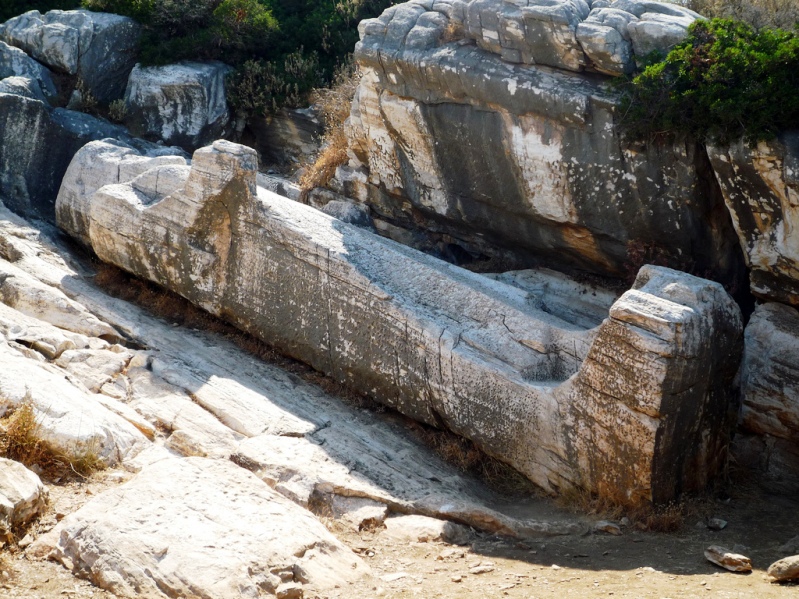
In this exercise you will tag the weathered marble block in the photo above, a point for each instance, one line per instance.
(634, 407)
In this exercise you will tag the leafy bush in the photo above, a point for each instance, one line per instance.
(724, 82)
(258, 87)
(12, 8)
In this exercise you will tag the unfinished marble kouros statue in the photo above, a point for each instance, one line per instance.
(633, 407)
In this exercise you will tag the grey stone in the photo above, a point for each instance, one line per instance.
(15, 63)
(442, 345)
(22, 86)
(606, 41)
(723, 557)
(99, 48)
(181, 104)
(421, 529)
(770, 397)
(349, 212)
(785, 569)
(287, 137)
(153, 533)
(36, 147)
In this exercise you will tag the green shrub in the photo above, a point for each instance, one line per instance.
(287, 47)
(724, 82)
(259, 87)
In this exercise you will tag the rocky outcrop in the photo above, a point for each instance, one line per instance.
(182, 104)
(22, 495)
(770, 394)
(98, 48)
(566, 34)
(761, 188)
(460, 143)
(15, 63)
(262, 543)
(438, 343)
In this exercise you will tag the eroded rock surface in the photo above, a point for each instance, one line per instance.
(761, 188)
(463, 146)
(182, 104)
(15, 63)
(157, 547)
(445, 346)
(770, 394)
(99, 48)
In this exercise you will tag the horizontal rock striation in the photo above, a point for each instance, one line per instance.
(485, 144)
(633, 408)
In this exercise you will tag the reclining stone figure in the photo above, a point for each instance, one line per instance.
(635, 408)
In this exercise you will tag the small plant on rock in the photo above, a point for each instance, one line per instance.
(117, 111)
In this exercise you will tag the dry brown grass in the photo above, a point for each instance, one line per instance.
(664, 518)
(334, 106)
(758, 13)
(20, 440)
(464, 455)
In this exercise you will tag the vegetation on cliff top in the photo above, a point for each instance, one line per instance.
(726, 81)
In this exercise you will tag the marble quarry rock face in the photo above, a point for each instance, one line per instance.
(481, 121)
(631, 406)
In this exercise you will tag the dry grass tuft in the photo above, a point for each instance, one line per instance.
(20, 440)
(464, 455)
(334, 105)
(664, 518)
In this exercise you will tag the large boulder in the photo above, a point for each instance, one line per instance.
(761, 188)
(99, 48)
(182, 104)
(521, 162)
(196, 527)
(770, 394)
(496, 363)
(15, 63)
